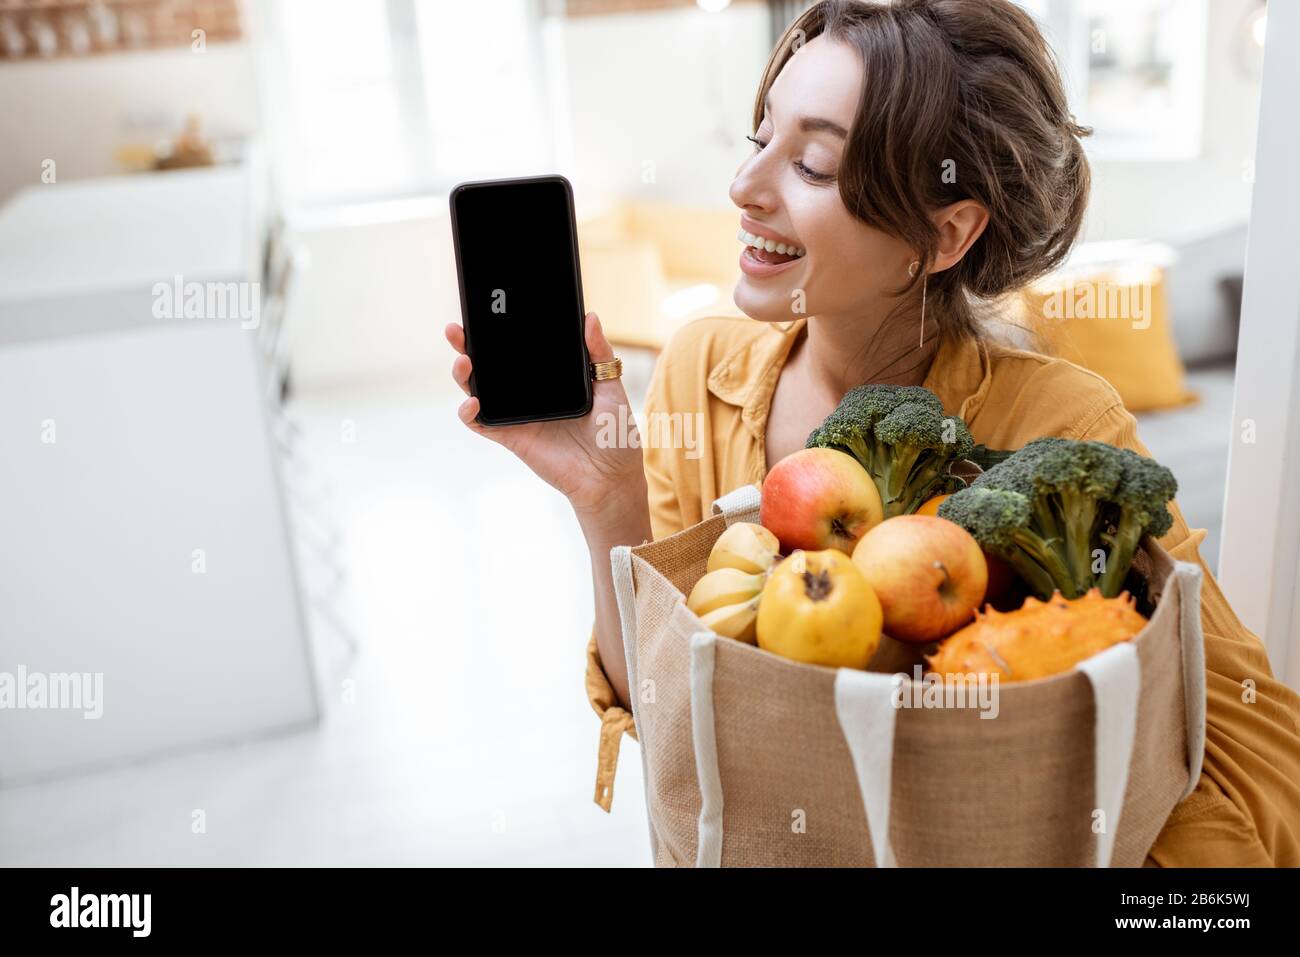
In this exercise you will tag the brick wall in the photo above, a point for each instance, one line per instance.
(54, 28)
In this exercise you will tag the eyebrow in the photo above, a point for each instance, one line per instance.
(812, 124)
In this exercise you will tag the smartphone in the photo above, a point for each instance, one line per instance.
(516, 245)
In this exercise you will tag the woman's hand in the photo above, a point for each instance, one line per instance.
(566, 453)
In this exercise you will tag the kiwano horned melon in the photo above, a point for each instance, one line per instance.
(1040, 638)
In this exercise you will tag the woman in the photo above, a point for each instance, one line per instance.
(911, 160)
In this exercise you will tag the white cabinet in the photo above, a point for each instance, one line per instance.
(142, 524)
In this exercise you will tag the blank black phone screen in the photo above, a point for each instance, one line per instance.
(521, 299)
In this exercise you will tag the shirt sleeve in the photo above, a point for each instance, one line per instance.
(665, 519)
(1245, 810)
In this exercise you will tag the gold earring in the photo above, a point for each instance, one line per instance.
(925, 281)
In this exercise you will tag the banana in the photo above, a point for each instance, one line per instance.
(725, 586)
(736, 621)
(745, 546)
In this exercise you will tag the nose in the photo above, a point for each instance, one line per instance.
(752, 188)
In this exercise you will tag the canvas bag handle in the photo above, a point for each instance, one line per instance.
(1116, 678)
(863, 700)
(620, 560)
(1188, 576)
(740, 505)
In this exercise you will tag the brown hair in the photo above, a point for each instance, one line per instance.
(964, 86)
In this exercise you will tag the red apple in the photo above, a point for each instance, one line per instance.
(1001, 577)
(816, 499)
(929, 574)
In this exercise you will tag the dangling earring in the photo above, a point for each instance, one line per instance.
(925, 280)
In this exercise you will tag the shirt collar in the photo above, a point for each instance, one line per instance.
(746, 376)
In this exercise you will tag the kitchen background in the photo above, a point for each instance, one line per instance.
(312, 594)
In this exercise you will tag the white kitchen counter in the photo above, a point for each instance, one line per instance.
(60, 239)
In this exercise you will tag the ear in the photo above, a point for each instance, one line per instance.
(959, 225)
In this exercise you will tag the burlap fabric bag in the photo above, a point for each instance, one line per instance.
(754, 760)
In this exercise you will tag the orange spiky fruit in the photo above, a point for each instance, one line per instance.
(1039, 639)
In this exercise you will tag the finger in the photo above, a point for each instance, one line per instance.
(461, 367)
(598, 346)
(466, 412)
(455, 335)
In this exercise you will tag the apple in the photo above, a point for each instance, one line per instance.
(1001, 576)
(816, 499)
(929, 574)
(1001, 579)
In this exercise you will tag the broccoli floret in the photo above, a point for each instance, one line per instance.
(1001, 520)
(1071, 511)
(902, 437)
(1074, 481)
(1145, 486)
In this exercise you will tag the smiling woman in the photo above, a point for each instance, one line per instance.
(883, 147)
(920, 158)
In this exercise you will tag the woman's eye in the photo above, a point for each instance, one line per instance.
(806, 172)
(815, 176)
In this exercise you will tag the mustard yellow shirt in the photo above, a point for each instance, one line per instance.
(1246, 808)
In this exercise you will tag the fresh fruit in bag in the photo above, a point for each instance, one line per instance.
(724, 586)
(1040, 638)
(928, 573)
(819, 498)
(745, 546)
(736, 621)
(818, 608)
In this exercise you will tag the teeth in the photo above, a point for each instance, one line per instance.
(758, 242)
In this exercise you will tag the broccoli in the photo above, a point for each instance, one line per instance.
(902, 437)
(1067, 515)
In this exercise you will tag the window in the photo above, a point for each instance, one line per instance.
(368, 98)
(1135, 70)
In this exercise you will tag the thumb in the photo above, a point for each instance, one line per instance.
(598, 346)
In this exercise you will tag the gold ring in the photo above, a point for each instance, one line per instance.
(613, 369)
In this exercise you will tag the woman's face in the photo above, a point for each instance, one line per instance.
(788, 192)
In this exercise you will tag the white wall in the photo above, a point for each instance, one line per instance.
(79, 110)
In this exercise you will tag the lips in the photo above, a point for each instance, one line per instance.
(765, 233)
(752, 265)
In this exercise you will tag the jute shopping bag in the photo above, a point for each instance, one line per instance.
(754, 760)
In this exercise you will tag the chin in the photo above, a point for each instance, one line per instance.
(763, 306)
